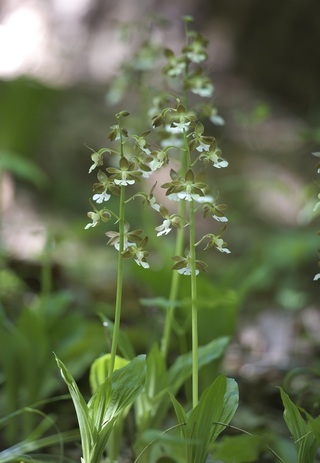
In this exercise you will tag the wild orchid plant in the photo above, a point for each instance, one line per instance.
(177, 138)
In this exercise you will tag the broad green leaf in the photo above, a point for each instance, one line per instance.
(171, 381)
(199, 425)
(127, 383)
(217, 404)
(292, 417)
(154, 393)
(98, 404)
(182, 367)
(305, 442)
(156, 379)
(231, 402)
(82, 411)
(114, 397)
(315, 427)
(101, 442)
(180, 413)
(100, 369)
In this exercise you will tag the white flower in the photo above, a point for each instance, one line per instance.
(316, 277)
(173, 130)
(317, 206)
(202, 147)
(182, 125)
(220, 219)
(187, 270)
(126, 244)
(173, 197)
(204, 199)
(97, 161)
(100, 197)
(140, 259)
(155, 164)
(95, 217)
(124, 180)
(213, 155)
(196, 56)
(219, 245)
(203, 89)
(164, 228)
(188, 196)
(218, 162)
(177, 70)
(154, 204)
(216, 119)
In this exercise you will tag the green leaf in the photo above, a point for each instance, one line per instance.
(100, 368)
(82, 411)
(154, 402)
(127, 383)
(231, 402)
(296, 424)
(315, 427)
(180, 413)
(217, 405)
(199, 426)
(305, 442)
(154, 395)
(181, 369)
(156, 372)
(98, 404)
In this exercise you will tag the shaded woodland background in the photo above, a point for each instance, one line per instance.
(58, 60)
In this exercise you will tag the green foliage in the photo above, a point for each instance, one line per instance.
(22, 168)
(37, 439)
(26, 346)
(100, 368)
(97, 418)
(24, 104)
(153, 404)
(203, 424)
(305, 432)
(239, 449)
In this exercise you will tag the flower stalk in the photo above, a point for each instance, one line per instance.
(118, 305)
(194, 307)
(174, 288)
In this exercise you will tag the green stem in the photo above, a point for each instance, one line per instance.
(117, 315)
(175, 277)
(194, 309)
(174, 289)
